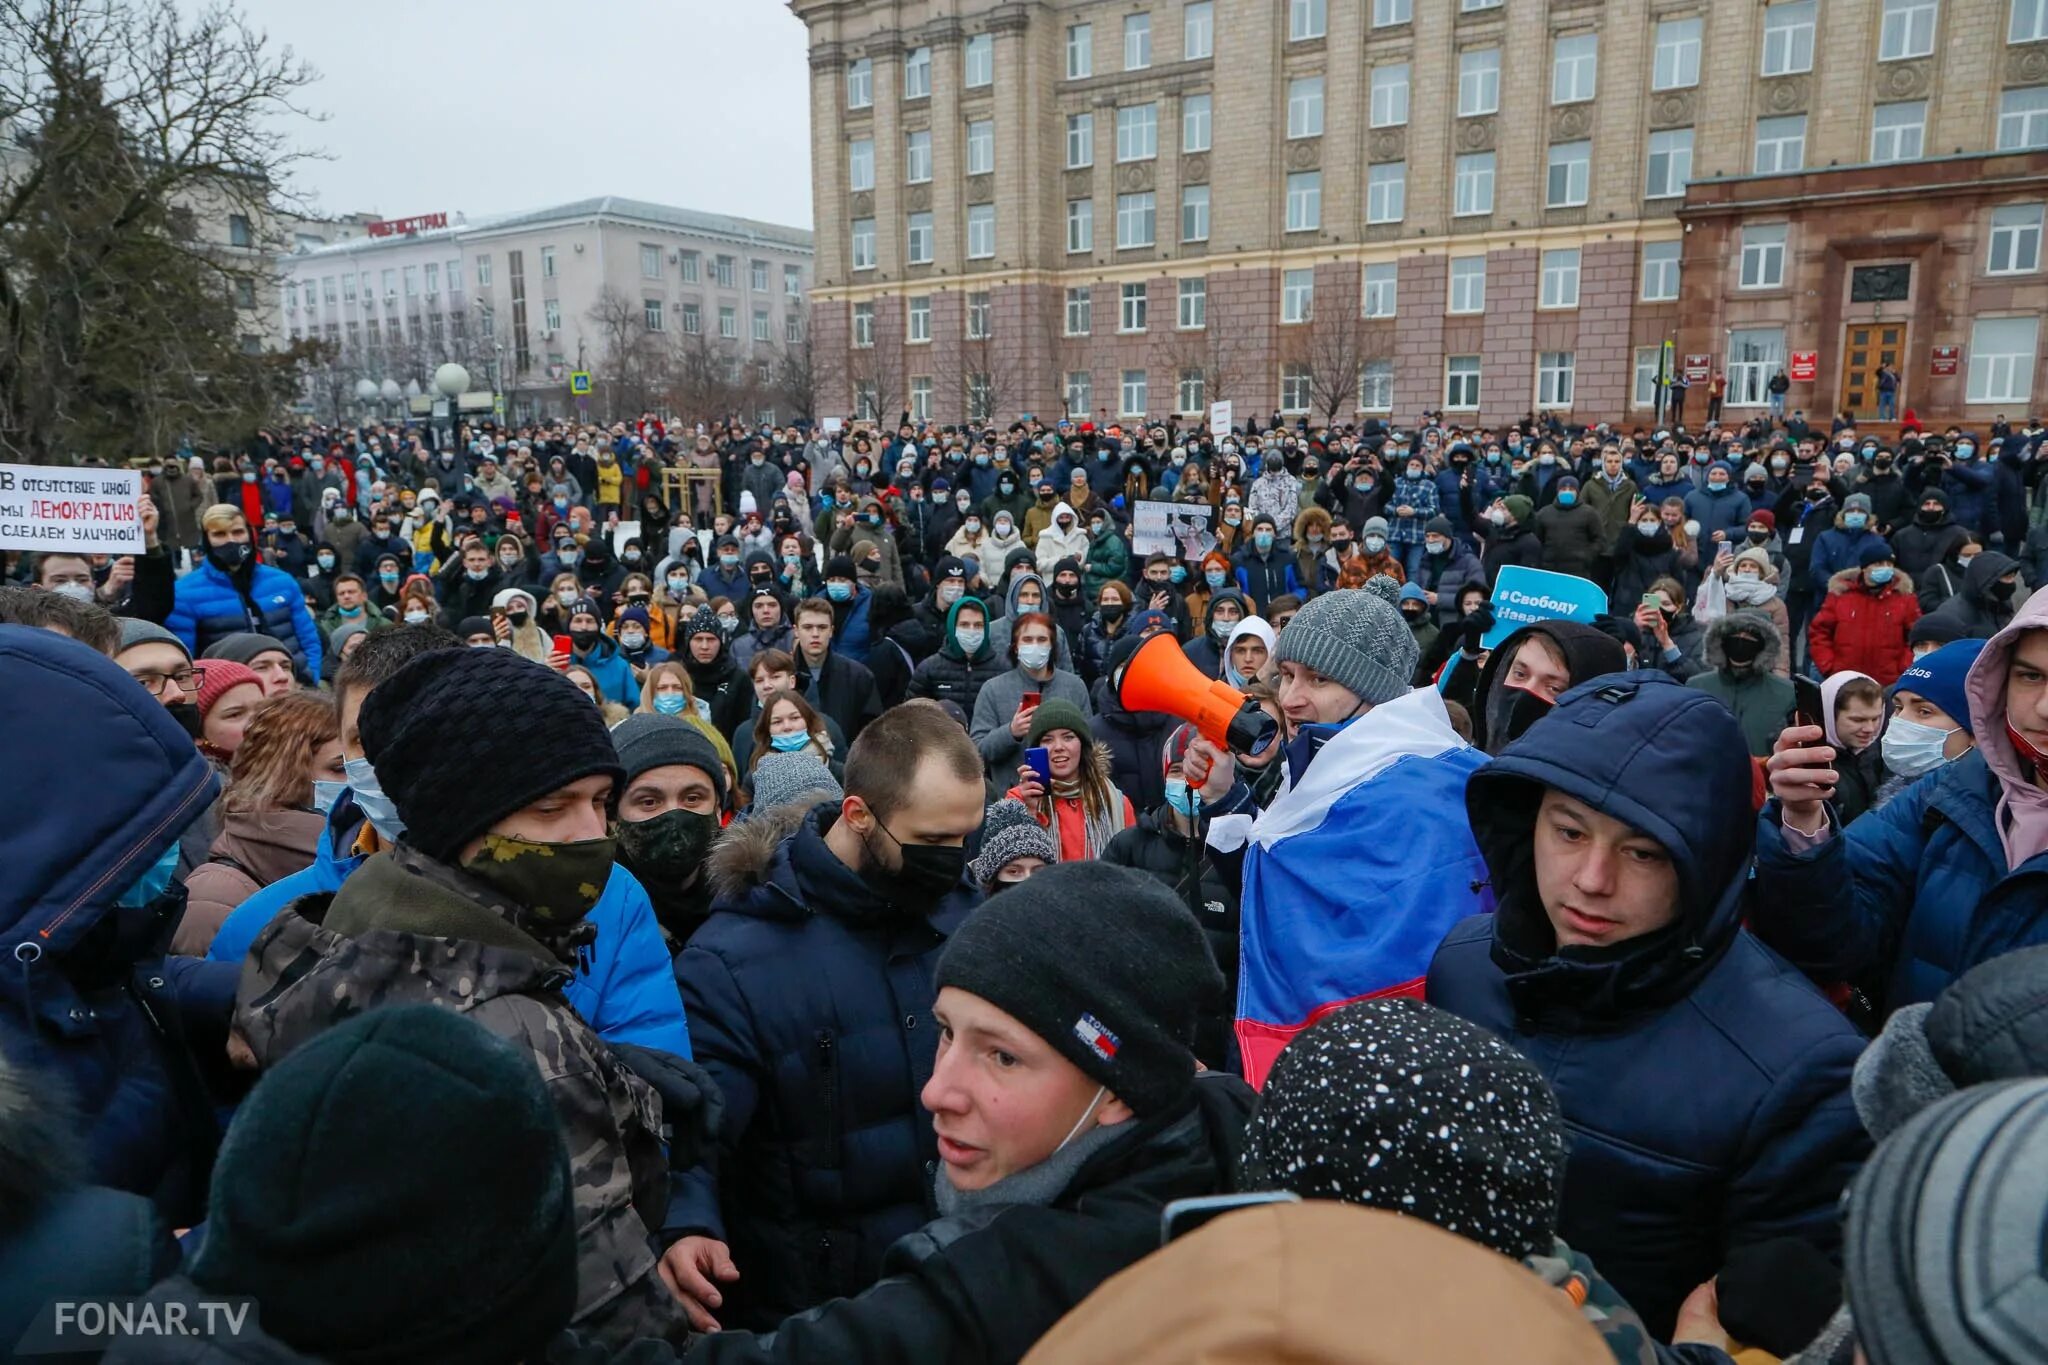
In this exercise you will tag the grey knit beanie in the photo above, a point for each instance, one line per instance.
(648, 740)
(782, 778)
(136, 631)
(1356, 638)
(1008, 832)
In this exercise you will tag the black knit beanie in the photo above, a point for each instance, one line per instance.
(461, 738)
(1398, 1105)
(398, 1189)
(1105, 965)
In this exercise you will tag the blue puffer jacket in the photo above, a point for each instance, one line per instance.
(89, 1005)
(810, 1001)
(613, 675)
(851, 636)
(1704, 1081)
(1970, 485)
(206, 609)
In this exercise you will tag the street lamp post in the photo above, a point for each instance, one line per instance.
(452, 381)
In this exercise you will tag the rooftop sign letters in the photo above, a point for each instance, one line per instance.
(395, 227)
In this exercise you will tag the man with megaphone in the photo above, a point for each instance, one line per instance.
(1365, 858)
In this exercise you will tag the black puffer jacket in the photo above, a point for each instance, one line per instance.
(1134, 740)
(1974, 608)
(1155, 846)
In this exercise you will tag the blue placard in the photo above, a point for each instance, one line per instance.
(1522, 596)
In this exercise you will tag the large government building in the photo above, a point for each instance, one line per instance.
(1349, 208)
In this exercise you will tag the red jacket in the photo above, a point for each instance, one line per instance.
(1864, 629)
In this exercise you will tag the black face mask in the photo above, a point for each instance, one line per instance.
(1111, 610)
(930, 872)
(1928, 516)
(229, 557)
(188, 718)
(584, 639)
(667, 852)
(1510, 711)
(1742, 650)
(1066, 592)
(2002, 590)
(1759, 537)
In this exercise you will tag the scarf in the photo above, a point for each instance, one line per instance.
(1751, 592)
(1035, 1186)
(1097, 827)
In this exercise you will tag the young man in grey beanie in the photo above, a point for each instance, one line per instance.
(1374, 797)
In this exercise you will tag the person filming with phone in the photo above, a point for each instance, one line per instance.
(1064, 782)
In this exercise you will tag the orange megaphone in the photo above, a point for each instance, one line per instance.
(1158, 677)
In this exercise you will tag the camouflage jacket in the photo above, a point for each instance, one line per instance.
(301, 978)
(1573, 1274)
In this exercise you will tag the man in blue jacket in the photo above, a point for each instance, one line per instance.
(591, 648)
(1706, 1082)
(231, 592)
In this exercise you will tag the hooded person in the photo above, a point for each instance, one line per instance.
(1027, 592)
(1248, 651)
(1751, 582)
(667, 814)
(1526, 673)
(1706, 1084)
(1372, 795)
(1065, 537)
(1416, 611)
(1742, 649)
(231, 591)
(502, 859)
(1985, 604)
(1939, 878)
(1220, 617)
(1053, 1173)
(965, 662)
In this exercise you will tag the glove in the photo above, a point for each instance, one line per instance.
(1475, 628)
(1778, 1294)
(692, 1105)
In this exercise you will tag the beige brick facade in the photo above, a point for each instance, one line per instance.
(1832, 69)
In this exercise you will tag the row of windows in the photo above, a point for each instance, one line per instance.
(690, 318)
(724, 269)
(426, 279)
(919, 239)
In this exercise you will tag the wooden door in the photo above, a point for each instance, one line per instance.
(1865, 346)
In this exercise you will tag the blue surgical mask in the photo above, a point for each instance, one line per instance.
(1881, 574)
(154, 881)
(1216, 577)
(789, 744)
(1182, 797)
(326, 793)
(1180, 573)
(839, 590)
(1263, 539)
(1911, 749)
(381, 810)
(671, 703)
(1854, 521)
(1566, 497)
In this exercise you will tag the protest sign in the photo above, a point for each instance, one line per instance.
(1522, 596)
(1220, 416)
(89, 511)
(1174, 528)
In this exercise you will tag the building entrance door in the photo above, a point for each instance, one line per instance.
(1867, 345)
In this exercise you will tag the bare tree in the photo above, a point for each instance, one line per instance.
(798, 368)
(877, 371)
(1332, 348)
(630, 358)
(992, 377)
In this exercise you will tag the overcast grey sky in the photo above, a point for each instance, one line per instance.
(699, 103)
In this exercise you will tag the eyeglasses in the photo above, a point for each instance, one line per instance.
(189, 678)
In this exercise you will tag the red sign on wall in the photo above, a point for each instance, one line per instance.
(1805, 367)
(1945, 360)
(1698, 367)
(394, 227)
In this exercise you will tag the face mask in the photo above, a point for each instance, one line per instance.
(77, 592)
(1216, 578)
(2002, 590)
(1179, 574)
(1003, 525)
(415, 618)
(154, 881)
(970, 639)
(557, 884)
(632, 640)
(1007, 486)
(1779, 466)
(1567, 497)
(1437, 547)
(1963, 562)
(379, 808)
(669, 849)
(1034, 657)
(929, 873)
(1112, 611)
(789, 744)
(568, 558)
(728, 561)
(1911, 749)
(1879, 574)
(326, 793)
(1263, 539)
(1374, 544)
(585, 638)
(1646, 529)
(1497, 516)
(1742, 650)
(671, 703)
(1181, 797)
(839, 590)
(1546, 458)
(1854, 521)
(326, 561)
(229, 557)
(1717, 485)
(1966, 451)
(730, 623)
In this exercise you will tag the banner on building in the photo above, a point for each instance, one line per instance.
(92, 511)
(1524, 596)
(1185, 529)
(1805, 367)
(1698, 368)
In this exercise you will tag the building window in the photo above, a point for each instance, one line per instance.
(1197, 30)
(1461, 382)
(688, 270)
(1473, 192)
(1080, 393)
(1788, 37)
(917, 74)
(1297, 295)
(1137, 41)
(431, 272)
(1305, 107)
(547, 264)
(1080, 141)
(1571, 175)
(2002, 359)
(1763, 255)
(1908, 29)
(2023, 120)
(1132, 302)
(920, 398)
(1660, 271)
(2029, 21)
(917, 157)
(977, 316)
(1304, 201)
(1780, 145)
(1676, 64)
(1386, 192)
(1137, 133)
(1474, 6)
(2015, 239)
(1754, 355)
(1194, 213)
(1080, 51)
(693, 319)
(1574, 68)
(1080, 311)
(1080, 226)
(1296, 388)
(863, 244)
(650, 315)
(1135, 226)
(1898, 132)
(793, 281)
(1376, 386)
(757, 276)
(979, 63)
(725, 271)
(1134, 393)
(860, 84)
(981, 147)
(1380, 281)
(918, 243)
(1194, 123)
(729, 322)
(1649, 366)
(1670, 164)
(1478, 81)
(1306, 19)
(863, 325)
(245, 293)
(348, 284)
(981, 232)
(1192, 298)
(917, 319)
(867, 401)
(327, 288)
(239, 231)
(1192, 399)
(1561, 278)
(1388, 12)
(412, 281)
(1554, 372)
(980, 397)
(650, 262)
(1468, 284)
(1390, 95)
(792, 329)
(390, 284)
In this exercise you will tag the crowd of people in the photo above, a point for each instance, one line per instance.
(659, 892)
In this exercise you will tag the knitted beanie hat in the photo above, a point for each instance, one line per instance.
(136, 631)
(647, 740)
(221, 675)
(1403, 1106)
(1876, 552)
(245, 647)
(781, 778)
(1115, 994)
(840, 566)
(1008, 832)
(461, 738)
(704, 621)
(1355, 638)
(1519, 507)
(1059, 715)
(415, 1118)
(1175, 748)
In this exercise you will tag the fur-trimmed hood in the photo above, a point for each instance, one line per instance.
(1844, 579)
(740, 859)
(39, 1151)
(1715, 651)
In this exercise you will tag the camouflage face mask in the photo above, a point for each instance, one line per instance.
(555, 883)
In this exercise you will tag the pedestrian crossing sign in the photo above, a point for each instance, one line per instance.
(579, 383)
